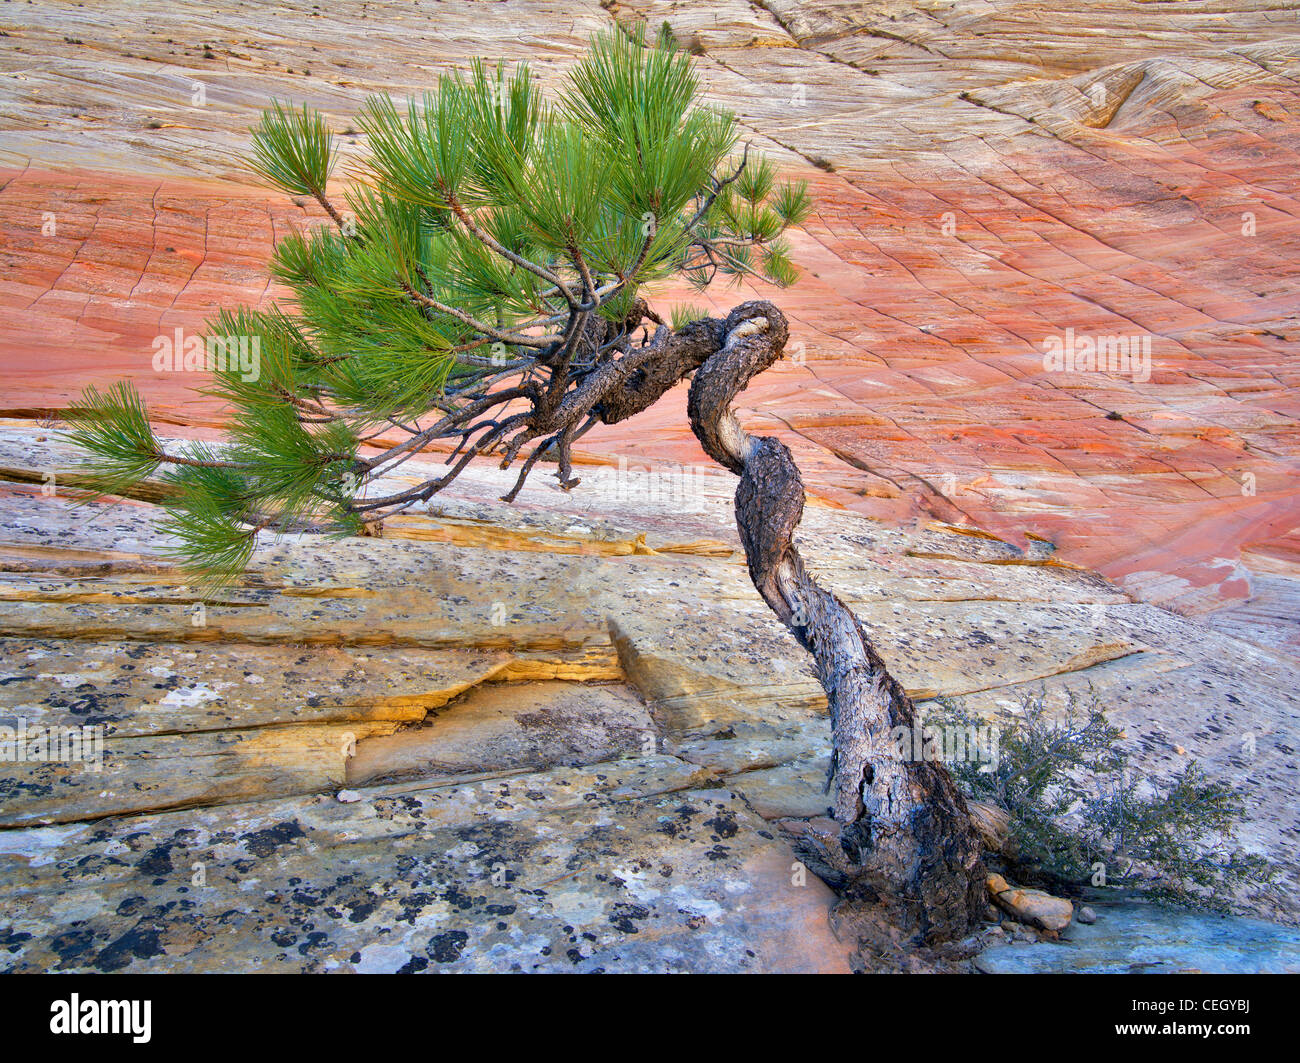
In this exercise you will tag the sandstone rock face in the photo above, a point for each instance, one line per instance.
(988, 178)
(559, 735)
(1003, 175)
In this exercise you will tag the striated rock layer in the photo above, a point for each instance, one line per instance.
(560, 735)
(1000, 174)
(600, 766)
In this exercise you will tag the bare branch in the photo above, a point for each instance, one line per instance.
(717, 188)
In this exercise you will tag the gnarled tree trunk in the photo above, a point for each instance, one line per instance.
(904, 833)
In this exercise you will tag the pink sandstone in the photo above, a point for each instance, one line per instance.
(996, 181)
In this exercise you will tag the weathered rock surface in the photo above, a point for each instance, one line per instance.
(1031, 906)
(585, 692)
(622, 869)
(986, 176)
(510, 726)
(1002, 173)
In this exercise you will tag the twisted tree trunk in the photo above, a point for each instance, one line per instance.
(903, 836)
(904, 833)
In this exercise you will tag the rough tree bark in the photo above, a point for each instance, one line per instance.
(904, 835)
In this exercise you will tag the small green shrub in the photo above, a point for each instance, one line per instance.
(1075, 802)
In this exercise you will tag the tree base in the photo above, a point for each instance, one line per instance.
(938, 897)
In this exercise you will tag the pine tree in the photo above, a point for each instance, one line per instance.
(484, 285)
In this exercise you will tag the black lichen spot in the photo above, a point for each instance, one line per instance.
(446, 948)
(414, 905)
(723, 824)
(73, 946)
(622, 915)
(314, 941)
(140, 942)
(157, 861)
(461, 901)
(359, 913)
(131, 905)
(265, 842)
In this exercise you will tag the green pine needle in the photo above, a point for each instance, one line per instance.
(792, 202)
(479, 203)
(113, 428)
(684, 313)
(293, 150)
